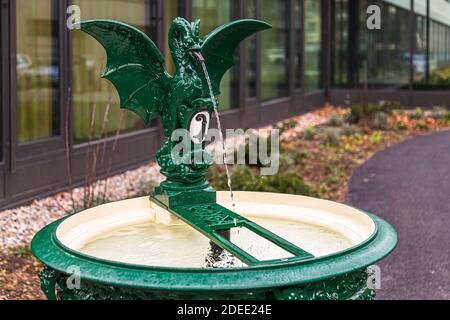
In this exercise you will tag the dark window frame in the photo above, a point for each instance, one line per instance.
(3, 81)
(5, 161)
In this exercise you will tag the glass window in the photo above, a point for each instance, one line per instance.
(340, 43)
(447, 50)
(313, 44)
(37, 70)
(434, 45)
(442, 58)
(212, 14)
(420, 49)
(438, 63)
(250, 53)
(274, 56)
(172, 9)
(298, 45)
(388, 50)
(93, 96)
(372, 58)
(392, 67)
(1, 99)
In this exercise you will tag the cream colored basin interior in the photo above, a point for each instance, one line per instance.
(138, 232)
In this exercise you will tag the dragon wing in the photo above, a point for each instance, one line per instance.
(134, 66)
(220, 45)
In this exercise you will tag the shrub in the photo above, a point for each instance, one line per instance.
(438, 79)
(246, 149)
(332, 136)
(376, 138)
(446, 118)
(369, 110)
(422, 126)
(244, 179)
(440, 113)
(401, 126)
(285, 183)
(417, 114)
(349, 130)
(309, 133)
(286, 125)
(336, 174)
(390, 106)
(336, 120)
(380, 121)
(357, 113)
(292, 158)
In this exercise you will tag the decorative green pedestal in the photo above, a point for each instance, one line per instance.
(352, 286)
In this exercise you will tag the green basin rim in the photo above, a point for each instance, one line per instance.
(53, 254)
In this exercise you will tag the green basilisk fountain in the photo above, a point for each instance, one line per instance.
(188, 101)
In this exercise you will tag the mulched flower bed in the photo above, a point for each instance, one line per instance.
(18, 275)
(335, 152)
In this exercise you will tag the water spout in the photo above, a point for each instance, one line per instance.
(201, 59)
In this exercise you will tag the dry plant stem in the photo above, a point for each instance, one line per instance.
(92, 155)
(102, 160)
(90, 137)
(108, 170)
(94, 179)
(93, 173)
(68, 153)
(60, 205)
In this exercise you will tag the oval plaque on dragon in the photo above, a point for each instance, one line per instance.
(198, 128)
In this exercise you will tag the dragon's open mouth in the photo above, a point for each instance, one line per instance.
(198, 55)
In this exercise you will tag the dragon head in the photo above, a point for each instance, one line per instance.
(184, 38)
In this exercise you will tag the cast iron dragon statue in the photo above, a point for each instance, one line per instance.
(136, 67)
(185, 100)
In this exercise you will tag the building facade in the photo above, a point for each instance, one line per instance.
(55, 109)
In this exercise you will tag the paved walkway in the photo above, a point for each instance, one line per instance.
(409, 186)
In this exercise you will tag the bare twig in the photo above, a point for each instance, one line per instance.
(97, 152)
(61, 206)
(93, 171)
(108, 170)
(86, 191)
(68, 152)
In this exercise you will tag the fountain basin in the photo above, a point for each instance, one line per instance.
(133, 250)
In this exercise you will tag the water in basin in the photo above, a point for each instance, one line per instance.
(181, 246)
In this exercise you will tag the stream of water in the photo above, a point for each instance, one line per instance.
(219, 124)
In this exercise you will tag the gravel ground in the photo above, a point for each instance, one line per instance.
(18, 226)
